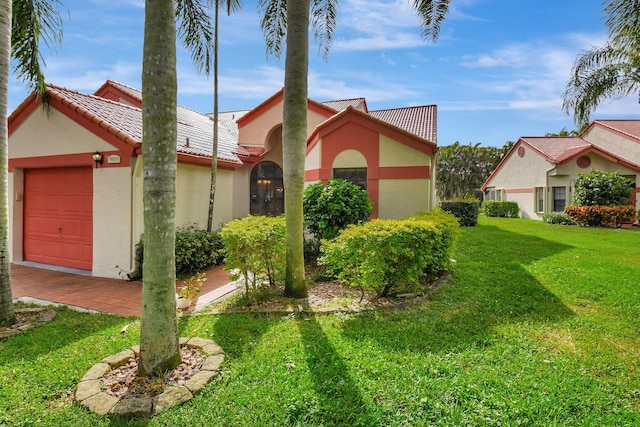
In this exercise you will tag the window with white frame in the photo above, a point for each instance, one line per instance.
(559, 198)
(539, 199)
(490, 194)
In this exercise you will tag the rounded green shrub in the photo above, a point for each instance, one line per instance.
(330, 208)
(466, 210)
(501, 209)
(598, 188)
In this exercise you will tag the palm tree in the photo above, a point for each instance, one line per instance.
(159, 346)
(23, 24)
(292, 19)
(231, 5)
(610, 71)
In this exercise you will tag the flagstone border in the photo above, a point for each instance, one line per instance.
(89, 394)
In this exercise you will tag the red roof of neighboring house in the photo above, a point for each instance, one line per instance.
(630, 128)
(420, 121)
(557, 149)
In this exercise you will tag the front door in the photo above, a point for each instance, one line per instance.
(266, 189)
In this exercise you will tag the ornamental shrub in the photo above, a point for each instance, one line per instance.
(558, 218)
(503, 209)
(330, 208)
(388, 256)
(255, 249)
(466, 210)
(597, 216)
(598, 188)
(196, 250)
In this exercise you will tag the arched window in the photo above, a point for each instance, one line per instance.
(266, 190)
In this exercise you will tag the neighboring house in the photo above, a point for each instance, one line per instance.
(67, 210)
(539, 172)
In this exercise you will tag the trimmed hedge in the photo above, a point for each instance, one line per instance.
(330, 208)
(599, 216)
(195, 251)
(466, 210)
(503, 209)
(255, 247)
(389, 256)
(558, 218)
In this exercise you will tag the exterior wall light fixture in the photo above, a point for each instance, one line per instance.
(98, 158)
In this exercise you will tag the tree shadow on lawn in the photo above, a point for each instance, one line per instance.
(339, 396)
(489, 287)
(65, 329)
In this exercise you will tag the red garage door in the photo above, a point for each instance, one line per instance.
(58, 216)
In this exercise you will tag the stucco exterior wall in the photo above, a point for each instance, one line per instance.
(400, 198)
(349, 159)
(612, 142)
(394, 153)
(192, 198)
(313, 160)
(254, 132)
(55, 135)
(112, 231)
(517, 172)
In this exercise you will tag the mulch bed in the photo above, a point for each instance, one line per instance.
(124, 381)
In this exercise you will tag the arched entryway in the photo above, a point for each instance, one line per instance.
(266, 189)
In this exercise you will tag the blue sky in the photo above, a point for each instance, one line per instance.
(496, 73)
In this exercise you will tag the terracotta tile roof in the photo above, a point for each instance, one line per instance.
(132, 92)
(195, 130)
(628, 127)
(557, 148)
(342, 104)
(420, 121)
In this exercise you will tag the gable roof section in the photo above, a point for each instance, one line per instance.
(117, 91)
(124, 122)
(372, 122)
(342, 104)
(556, 149)
(420, 121)
(628, 128)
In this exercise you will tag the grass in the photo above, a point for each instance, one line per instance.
(539, 325)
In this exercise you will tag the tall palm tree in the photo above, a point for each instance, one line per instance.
(608, 72)
(291, 19)
(159, 346)
(231, 6)
(23, 25)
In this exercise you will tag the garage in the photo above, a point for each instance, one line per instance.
(58, 216)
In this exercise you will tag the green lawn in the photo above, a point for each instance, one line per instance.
(539, 325)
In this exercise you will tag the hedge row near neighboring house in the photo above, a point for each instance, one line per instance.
(196, 250)
(255, 248)
(558, 218)
(503, 209)
(599, 216)
(466, 210)
(390, 256)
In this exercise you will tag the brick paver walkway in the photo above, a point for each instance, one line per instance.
(96, 293)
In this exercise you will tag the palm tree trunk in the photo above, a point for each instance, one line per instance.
(159, 347)
(214, 148)
(294, 140)
(7, 315)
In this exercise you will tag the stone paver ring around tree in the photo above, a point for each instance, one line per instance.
(90, 394)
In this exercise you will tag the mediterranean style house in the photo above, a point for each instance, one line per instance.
(75, 170)
(539, 172)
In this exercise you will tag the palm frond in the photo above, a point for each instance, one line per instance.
(196, 31)
(34, 21)
(623, 22)
(597, 75)
(431, 14)
(323, 21)
(274, 24)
